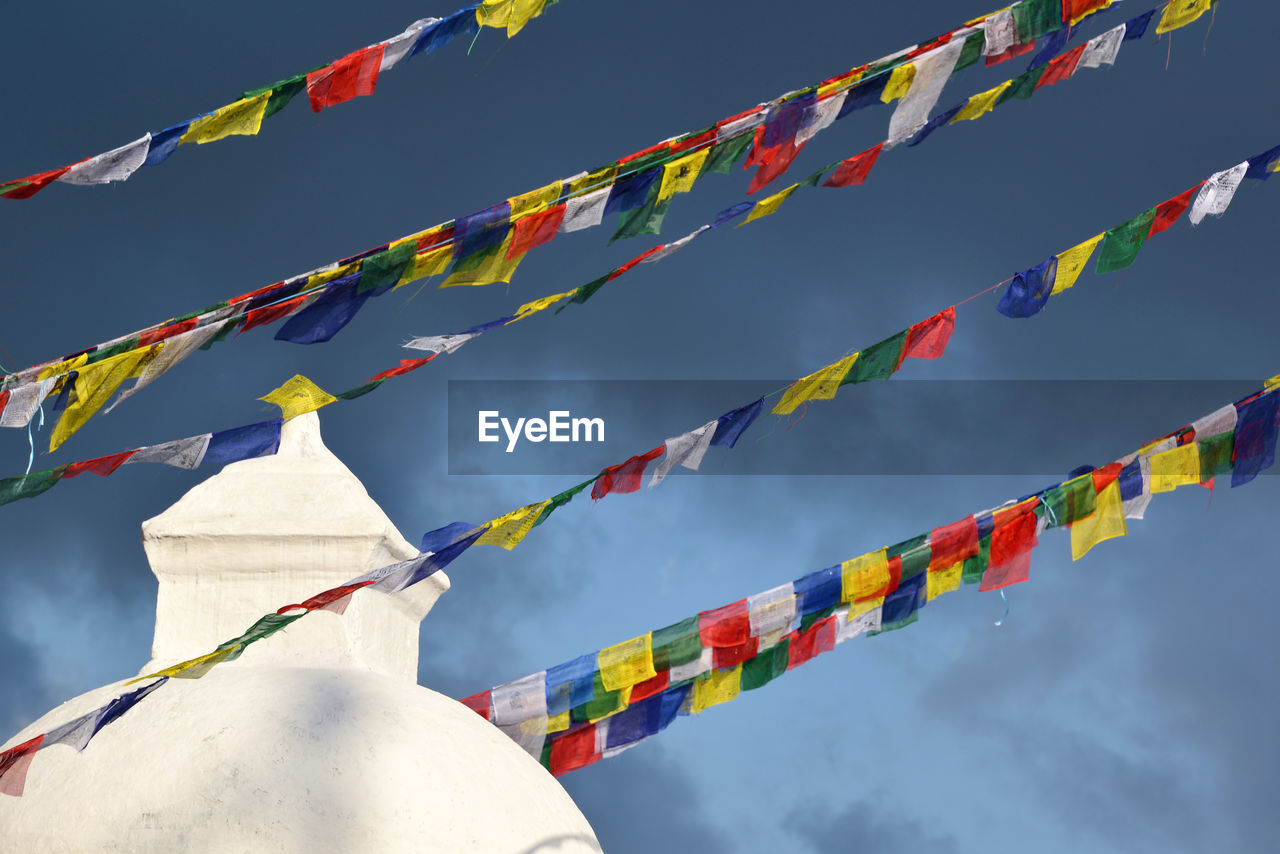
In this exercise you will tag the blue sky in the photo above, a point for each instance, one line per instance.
(1123, 704)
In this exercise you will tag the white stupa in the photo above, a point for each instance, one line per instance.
(317, 738)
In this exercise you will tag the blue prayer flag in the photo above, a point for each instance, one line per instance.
(243, 443)
(733, 424)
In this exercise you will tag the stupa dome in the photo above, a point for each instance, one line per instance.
(317, 738)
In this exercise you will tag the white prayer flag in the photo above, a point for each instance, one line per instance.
(773, 610)
(520, 700)
(441, 343)
(182, 453)
(114, 165)
(1217, 192)
(1102, 49)
(395, 48)
(585, 211)
(933, 70)
(687, 450)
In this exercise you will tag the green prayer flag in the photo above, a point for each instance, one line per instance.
(586, 292)
(975, 567)
(725, 154)
(767, 666)
(1123, 243)
(816, 178)
(545, 758)
(894, 625)
(817, 616)
(879, 361)
(562, 499)
(359, 391)
(602, 703)
(1023, 86)
(677, 644)
(1070, 501)
(646, 219)
(282, 93)
(386, 268)
(265, 627)
(972, 50)
(1034, 18)
(30, 485)
(224, 333)
(1215, 455)
(915, 554)
(113, 350)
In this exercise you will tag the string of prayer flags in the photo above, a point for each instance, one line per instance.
(576, 713)
(596, 705)
(487, 247)
(351, 76)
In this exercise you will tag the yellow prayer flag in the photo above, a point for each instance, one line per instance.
(1179, 13)
(558, 723)
(843, 82)
(493, 267)
(1106, 521)
(534, 201)
(857, 609)
(1272, 383)
(430, 263)
(678, 175)
(1071, 263)
(59, 368)
(512, 14)
(719, 686)
(507, 531)
(244, 117)
(864, 577)
(819, 385)
(981, 103)
(1178, 467)
(539, 304)
(94, 384)
(900, 80)
(593, 181)
(628, 663)
(316, 279)
(769, 206)
(945, 580)
(297, 396)
(194, 668)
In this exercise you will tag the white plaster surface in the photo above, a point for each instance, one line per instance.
(318, 738)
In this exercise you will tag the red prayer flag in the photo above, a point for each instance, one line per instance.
(928, 338)
(651, 687)
(698, 140)
(1074, 10)
(1011, 543)
(478, 703)
(4, 400)
(151, 336)
(36, 183)
(1016, 50)
(777, 161)
(435, 238)
(101, 466)
(335, 599)
(855, 169)
(270, 313)
(626, 268)
(624, 477)
(535, 230)
(574, 750)
(820, 638)
(406, 365)
(14, 763)
(728, 656)
(1103, 477)
(1061, 67)
(645, 151)
(953, 543)
(1167, 213)
(726, 626)
(351, 76)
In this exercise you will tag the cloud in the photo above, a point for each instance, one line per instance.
(866, 826)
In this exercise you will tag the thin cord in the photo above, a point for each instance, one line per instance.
(1000, 622)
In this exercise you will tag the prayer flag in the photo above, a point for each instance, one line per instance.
(677, 645)
(932, 70)
(855, 169)
(1061, 67)
(485, 267)
(899, 82)
(335, 307)
(901, 607)
(766, 666)
(777, 161)
(981, 104)
(352, 76)
(101, 466)
(1121, 245)
(804, 646)
(297, 396)
(720, 686)
(1167, 213)
(573, 750)
(728, 625)
(820, 385)
(181, 453)
(628, 663)
(866, 577)
(1260, 165)
(114, 165)
(818, 591)
(508, 530)
(1072, 262)
(624, 477)
(686, 450)
(679, 175)
(773, 610)
(928, 338)
(1177, 467)
(536, 229)
(1217, 191)
(1106, 521)
(243, 117)
(1011, 542)
(1255, 437)
(94, 384)
(733, 424)
(1075, 11)
(952, 544)
(163, 143)
(1102, 49)
(1029, 290)
(1179, 13)
(768, 206)
(25, 188)
(243, 443)
(879, 361)
(14, 763)
(29, 485)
